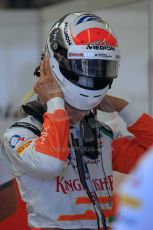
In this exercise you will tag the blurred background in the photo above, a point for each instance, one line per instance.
(23, 29)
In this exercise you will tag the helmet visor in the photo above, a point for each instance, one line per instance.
(89, 74)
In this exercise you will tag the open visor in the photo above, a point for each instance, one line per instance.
(94, 74)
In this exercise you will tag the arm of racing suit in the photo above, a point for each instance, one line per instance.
(42, 157)
(127, 150)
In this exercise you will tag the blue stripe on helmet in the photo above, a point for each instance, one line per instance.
(89, 18)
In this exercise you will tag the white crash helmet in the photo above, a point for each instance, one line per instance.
(84, 58)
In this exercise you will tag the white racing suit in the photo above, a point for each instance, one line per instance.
(136, 198)
(49, 183)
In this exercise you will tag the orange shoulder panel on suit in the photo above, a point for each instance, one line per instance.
(127, 150)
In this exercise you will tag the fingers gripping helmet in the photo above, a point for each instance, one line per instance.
(84, 58)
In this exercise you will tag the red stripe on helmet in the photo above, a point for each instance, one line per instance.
(95, 35)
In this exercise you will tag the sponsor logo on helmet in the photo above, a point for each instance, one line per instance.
(75, 55)
(103, 55)
(66, 34)
(86, 18)
(99, 46)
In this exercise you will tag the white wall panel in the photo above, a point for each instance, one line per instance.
(19, 49)
(18, 53)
